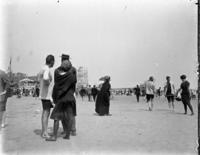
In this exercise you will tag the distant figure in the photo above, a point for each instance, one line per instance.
(137, 93)
(185, 94)
(18, 93)
(150, 91)
(169, 91)
(89, 93)
(45, 77)
(103, 98)
(23, 91)
(4, 85)
(159, 92)
(94, 92)
(82, 92)
(37, 91)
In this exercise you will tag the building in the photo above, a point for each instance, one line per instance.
(82, 77)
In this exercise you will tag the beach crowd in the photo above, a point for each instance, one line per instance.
(57, 92)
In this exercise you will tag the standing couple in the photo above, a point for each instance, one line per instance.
(62, 96)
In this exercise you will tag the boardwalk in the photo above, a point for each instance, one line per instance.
(131, 129)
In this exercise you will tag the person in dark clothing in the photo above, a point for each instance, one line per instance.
(137, 93)
(169, 91)
(82, 93)
(102, 105)
(37, 91)
(89, 93)
(63, 97)
(159, 92)
(185, 94)
(94, 92)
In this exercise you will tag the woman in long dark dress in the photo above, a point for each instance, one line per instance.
(137, 93)
(185, 94)
(102, 105)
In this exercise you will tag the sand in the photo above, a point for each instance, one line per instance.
(131, 129)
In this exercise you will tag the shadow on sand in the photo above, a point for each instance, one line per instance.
(157, 110)
(39, 132)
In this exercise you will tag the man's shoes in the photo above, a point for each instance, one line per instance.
(45, 136)
(66, 137)
(53, 138)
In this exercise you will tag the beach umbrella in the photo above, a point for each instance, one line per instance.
(26, 80)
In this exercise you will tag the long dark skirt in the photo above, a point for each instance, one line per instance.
(186, 102)
(60, 111)
(102, 104)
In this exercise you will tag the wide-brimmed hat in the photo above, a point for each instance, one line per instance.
(105, 78)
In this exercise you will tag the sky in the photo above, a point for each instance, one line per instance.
(129, 40)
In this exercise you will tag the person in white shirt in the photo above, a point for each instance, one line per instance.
(150, 91)
(46, 80)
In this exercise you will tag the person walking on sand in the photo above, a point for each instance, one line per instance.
(94, 92)
(169, 91)
(89, 93)
(63, 97)
(137, 93)
(4, 85)
(150, 91)
(46, 78)
(82, 92)
(185, 94)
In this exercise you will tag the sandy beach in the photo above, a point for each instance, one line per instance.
(131, 129)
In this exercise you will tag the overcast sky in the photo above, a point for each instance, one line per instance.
(129, 40)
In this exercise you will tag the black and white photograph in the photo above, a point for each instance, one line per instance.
(99, 77)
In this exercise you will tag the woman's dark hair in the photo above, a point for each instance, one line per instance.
(49, 59)
(183, 77)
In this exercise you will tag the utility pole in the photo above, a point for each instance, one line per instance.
(10, 69)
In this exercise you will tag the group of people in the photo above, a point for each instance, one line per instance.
(60, 90)
(57, 91)
(90, 92)
(170, 93)
(61, 93)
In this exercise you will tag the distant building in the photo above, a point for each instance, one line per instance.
(34, 78)
(16, 77)
(82, 77)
